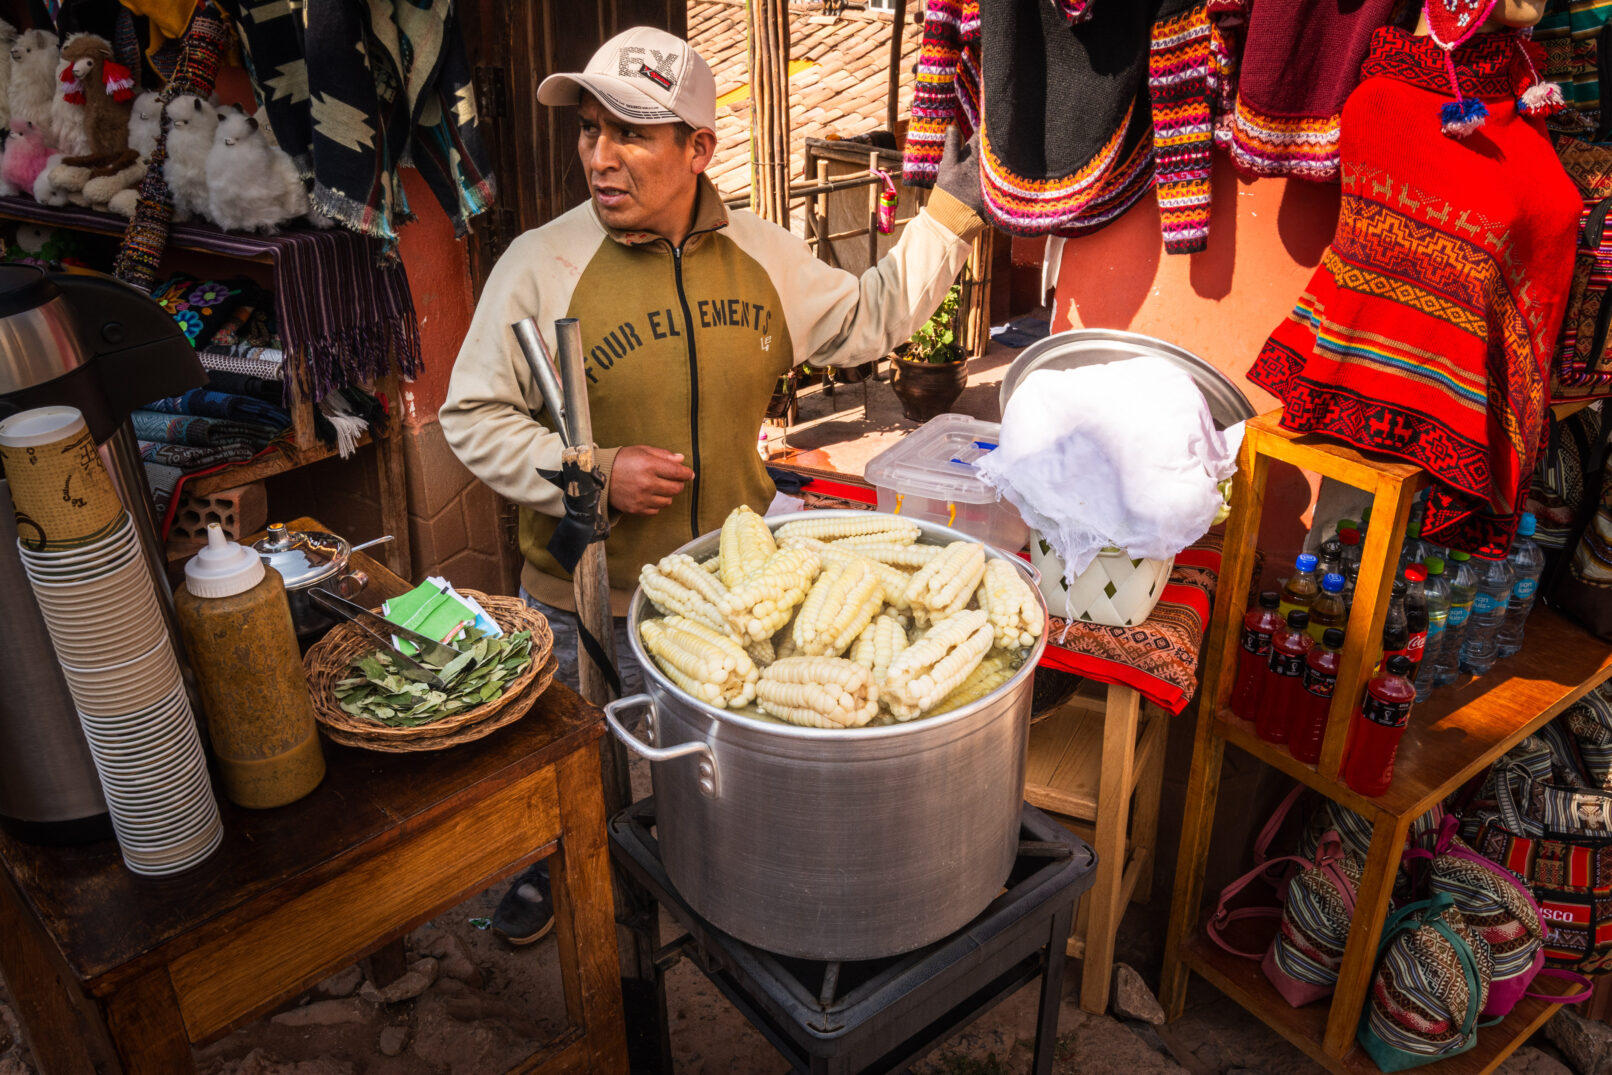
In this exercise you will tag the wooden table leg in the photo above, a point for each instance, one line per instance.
(584, 914)
(1113, 807)
(1365, 930)
(387, 964)
(391, 472)
(1145, 814)
(146, 1027)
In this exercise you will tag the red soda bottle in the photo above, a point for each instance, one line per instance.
(1379, 723)
(1320, 678)
(1284, 681)
(1254, 653)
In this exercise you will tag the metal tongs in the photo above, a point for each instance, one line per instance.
(407, 667)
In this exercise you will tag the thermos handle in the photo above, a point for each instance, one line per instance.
(710, 781)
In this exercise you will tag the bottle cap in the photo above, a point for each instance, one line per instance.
(1459, 556)
(1332, 583)
(223, 568)
(1348, 524)
(1527, 525)
(1332, 638)
(1349, 536)
(1416, 573)
(1414, 529)
(1298, 619)
(1434, 565)
(1399, 587)
(1331, 546)
(1399, 664)
(1306, 562)
(1365, 519)
(1270, 599)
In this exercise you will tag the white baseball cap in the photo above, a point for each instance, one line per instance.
(642, 75)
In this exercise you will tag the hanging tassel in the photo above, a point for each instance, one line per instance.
(1541, 99)
(1461, 118)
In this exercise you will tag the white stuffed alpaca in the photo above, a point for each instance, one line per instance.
(8, 37)
(32, 82)
(191, 122)
(252, 185)
(66, 126)
(145, 125)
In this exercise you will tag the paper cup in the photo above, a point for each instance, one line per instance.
(61, 493)
(121, 537)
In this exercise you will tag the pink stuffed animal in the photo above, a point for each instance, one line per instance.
(24, 158)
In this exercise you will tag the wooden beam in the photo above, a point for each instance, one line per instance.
(769, 109)
(898, 30)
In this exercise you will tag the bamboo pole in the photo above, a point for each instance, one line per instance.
(769, 109)
(976, 297)
(898, 30)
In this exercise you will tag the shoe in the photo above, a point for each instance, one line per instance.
(525, 914)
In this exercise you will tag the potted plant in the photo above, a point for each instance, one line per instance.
(930, 369)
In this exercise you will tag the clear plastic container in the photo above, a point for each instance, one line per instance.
(930, 475)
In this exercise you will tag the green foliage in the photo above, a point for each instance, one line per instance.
(937, 339)
(484, 667)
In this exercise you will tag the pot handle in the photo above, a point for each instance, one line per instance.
(352, 584)
(710, 780)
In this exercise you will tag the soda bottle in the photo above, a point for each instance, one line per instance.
(1396, 627)
(1300, 591)
(1410, 550)
(1285, 680)
(1350, 537)
(1319, 680)
(1328, 610)
(1379, 723)
(1331, 557)
(1253, 655)
(1527, 564)
(1438, 612)
(1463, 583)
(1416, 614)
(1480, 649)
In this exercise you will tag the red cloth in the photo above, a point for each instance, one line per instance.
(1428, 328)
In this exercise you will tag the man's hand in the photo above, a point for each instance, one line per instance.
(959, 172)
(643, 480)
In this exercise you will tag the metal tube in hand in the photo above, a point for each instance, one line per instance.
(542, 367)
(574, 379)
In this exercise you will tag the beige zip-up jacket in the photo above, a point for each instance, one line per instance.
(683, 349)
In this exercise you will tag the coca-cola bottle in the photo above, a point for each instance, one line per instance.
(1416, 615)
(1379, 723)
(1253, 654)
(1319, 680)
(1396, 628)
(1285, 680)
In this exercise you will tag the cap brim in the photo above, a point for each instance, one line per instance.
(618, 96)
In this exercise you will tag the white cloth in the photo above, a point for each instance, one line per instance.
(1124, 454)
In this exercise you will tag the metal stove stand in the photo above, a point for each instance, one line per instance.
(881, 1015)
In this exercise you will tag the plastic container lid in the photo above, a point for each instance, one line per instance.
(1527, 525)
(1348, 524)
(1270, 599)
(1416, 573)
(938, 460)
(1332, 583)
(1349, 535)
(1399, 664)
(223, 568)
(1298, 619)
(1459, 556)
(1306, 561)
(1434, 565)
(1332, 638)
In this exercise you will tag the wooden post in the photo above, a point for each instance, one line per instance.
(898, 30)
(976, 297)
(769, 109)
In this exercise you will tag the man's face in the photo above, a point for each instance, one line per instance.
(640, 176)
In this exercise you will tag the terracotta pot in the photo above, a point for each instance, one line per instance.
(927, 389)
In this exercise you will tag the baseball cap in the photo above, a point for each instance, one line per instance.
(642, 75)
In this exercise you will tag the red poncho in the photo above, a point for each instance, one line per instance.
(1428, 329)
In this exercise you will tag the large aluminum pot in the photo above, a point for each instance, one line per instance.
(833, 844)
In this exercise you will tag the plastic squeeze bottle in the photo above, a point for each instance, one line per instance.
(1254, 653)
(1301, 590)
(237, 627)
(1527, 564)
(1463, 583)
(1285, 682)
(1438, 612)
(1481, 648)
(1320, 680)
(1328, 610)
(1379, 724)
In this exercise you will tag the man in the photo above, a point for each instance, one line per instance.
(689, 315)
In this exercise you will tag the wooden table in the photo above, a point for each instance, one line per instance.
(110, 968)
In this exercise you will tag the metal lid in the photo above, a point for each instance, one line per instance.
(23, 287)
(302, 557)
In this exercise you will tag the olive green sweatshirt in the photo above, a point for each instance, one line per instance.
(683, 347)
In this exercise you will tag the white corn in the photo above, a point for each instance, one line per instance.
(843, 600)
(880, 643)
(744, 545)
(943, 586)
(1012, 606)
(836, 528)
(892, 580)
(764, 600)
(679, 587)
(910, 557)
(995, 670)
(819, 692)
(929, 669)
(702, 661)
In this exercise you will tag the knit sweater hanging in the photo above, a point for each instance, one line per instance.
(1427, 330)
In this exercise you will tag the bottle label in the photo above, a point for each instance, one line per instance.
(1459, 614)
(1435, 622)
(1319, 683)
(1256, 642)
(1388, 714)
(1416, 647)
(1484, 603)
(1287, 664)
(1525, 589)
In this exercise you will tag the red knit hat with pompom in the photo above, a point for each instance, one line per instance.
(1451, 22)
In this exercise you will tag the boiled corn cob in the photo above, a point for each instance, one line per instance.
(944, 585)
(679, 587)
(745, 544)
(898, 556)
(935, 665)
(843, 600)
(995, 670)
(896, 532)
(762, 652)
(892, 579)
(819, 692)
(701, 660)
(763, 601)
(1010, 603)
(835, 528)
(879, 644)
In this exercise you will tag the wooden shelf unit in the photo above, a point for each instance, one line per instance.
(1450, 739)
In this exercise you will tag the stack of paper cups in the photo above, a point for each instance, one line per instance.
(100, 606)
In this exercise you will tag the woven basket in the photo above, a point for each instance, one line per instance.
(1115, 590)
(329, 661)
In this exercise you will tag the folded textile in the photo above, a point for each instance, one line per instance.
(203, 403)
(268, 389)
(266, 363)
(188, 457)
(163, 480)
(201, 307)
(202, 432)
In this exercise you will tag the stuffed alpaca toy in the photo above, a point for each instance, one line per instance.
(191, 122)
(252, 185)
(33, 78)
(102, 90)
(145, 125)
(66, 126)
(8, 37)
(24, 157)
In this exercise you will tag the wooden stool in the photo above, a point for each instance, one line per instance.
(1087, 759)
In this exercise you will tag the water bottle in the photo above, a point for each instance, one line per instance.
(1480, 649)
(1350, 538)
(1463, 588)
(1328, 610)
(1331, 556)
(1527, 564)
(1299, 592)
(1414, 550)
(1438, 611)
